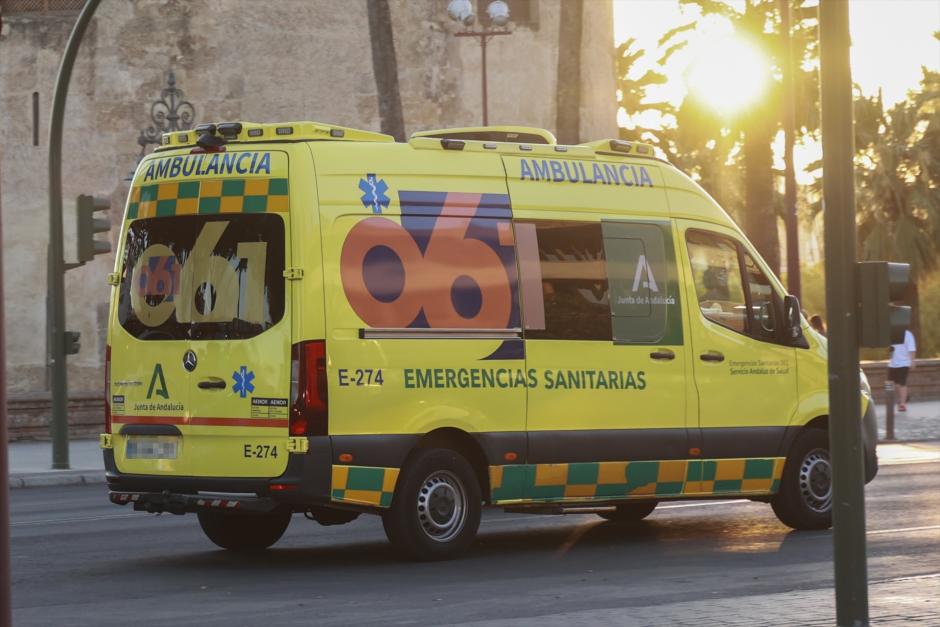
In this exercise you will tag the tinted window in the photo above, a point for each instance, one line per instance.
(764, 301)
(202, 277)
(718, 282)
(564, 275)
(644, 290)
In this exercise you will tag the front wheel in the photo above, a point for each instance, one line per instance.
(244, 532)
(804, 500)
(435, 512)
(634, 511)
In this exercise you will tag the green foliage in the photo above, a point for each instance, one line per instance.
(928, 341)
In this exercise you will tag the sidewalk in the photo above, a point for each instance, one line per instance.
(31, 461)
(31, 464)
(899, 602)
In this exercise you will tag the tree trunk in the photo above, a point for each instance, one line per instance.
(568, 80)
(385, 67)
(759, 217)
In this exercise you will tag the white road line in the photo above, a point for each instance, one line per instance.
(911, 578)
(60, 521)
(902, 530)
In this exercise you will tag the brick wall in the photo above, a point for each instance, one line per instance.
(923, 381)
(28, 416)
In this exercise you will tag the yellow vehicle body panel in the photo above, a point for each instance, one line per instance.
(433, 277)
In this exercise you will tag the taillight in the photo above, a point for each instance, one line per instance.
(309, 410)
(107, 389)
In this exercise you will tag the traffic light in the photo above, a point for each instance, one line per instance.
(88, 226)
(880, 284)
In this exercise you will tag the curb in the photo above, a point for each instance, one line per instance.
(51, 478)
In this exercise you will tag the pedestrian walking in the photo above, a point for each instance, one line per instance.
(901, 363)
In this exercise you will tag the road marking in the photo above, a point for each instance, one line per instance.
(60, 521)
(911, 578)
(706, 504)
(903, 529)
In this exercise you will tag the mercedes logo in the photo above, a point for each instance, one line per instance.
(189, 360)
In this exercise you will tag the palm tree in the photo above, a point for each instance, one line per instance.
(385, 67)
(746, 142)
(898, 181)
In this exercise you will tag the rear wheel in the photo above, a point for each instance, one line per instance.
(244, 532)
(436, 510)
(630, 512)
(804, 500)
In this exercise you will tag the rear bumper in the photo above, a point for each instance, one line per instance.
(159, 502)
(306, 481)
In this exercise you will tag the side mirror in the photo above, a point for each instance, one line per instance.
(794, 323)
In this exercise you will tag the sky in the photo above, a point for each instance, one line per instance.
(891, 40)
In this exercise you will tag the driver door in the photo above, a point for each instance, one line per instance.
(745, 374)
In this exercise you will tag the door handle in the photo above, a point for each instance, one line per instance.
(664, 354)
(712, 356)
(212, 384)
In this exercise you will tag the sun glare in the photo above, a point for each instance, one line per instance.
(729, 74)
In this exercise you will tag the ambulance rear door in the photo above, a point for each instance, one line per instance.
(203, 317)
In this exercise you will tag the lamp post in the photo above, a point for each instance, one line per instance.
(494, 24)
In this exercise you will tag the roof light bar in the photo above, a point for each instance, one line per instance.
(205, 128)
(452, 144)
(618, 145)
(230, 130)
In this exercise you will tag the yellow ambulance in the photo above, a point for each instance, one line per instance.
(313, 319)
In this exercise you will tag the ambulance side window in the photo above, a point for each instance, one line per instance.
(565, 288)
(765, 302)
(644, 287)
(716, 272)
(732, 289)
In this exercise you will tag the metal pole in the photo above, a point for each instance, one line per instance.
(6, 613)
(485, 97)
(59, 427)
(794, 284)
(889, 410)
(845, 440)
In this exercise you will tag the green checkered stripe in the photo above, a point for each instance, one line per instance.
(363, 485)
(641, 479)
(210, 196)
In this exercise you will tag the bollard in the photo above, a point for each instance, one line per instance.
(889, 410)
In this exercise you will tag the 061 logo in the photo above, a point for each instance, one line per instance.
(450, 263)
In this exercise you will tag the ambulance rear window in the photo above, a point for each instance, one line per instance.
(205, 277)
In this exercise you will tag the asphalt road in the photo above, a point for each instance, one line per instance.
(78, 560)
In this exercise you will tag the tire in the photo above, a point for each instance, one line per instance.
(634, 511)
(244, 532)
(804, 500)
(435, 512)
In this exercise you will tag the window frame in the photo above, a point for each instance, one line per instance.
(749, 319)
(545, 334)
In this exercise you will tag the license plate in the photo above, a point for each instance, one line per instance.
(151, 447)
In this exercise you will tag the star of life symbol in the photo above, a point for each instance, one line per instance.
(650, 282)
(373, 193)
(243, 381)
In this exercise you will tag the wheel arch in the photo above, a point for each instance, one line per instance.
(819, 422)
(463, 443)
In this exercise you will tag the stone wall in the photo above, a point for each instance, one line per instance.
(235, 60)
(923, 382)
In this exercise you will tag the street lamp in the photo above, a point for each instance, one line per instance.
(493, 24)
